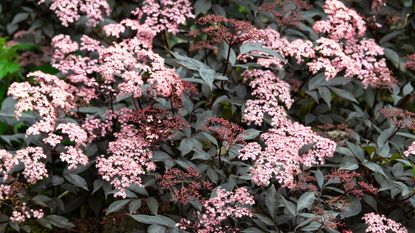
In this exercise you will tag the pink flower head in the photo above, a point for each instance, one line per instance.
(378, 223)
(218, 209)
(164, 15)
(68, 11)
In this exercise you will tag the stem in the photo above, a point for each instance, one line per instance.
(171, 105)
(139, 103)
(135, 104)
(227, 59)
(220, 152)
(166, 41)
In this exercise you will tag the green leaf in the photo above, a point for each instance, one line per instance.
(186, 146)
(156, 229)
(19, 18)
(343, 93)
(305, 201)
(117, 205)
(264, 219)
(202, 6)
(249, 134)
(291, 208)
(134, 205)
(320, 178)
(325, 94)
(157, 219)
(153, 205)
(59, 221)
(76, 180)
(270, 201)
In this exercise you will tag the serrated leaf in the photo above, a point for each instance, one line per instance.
(76, 180)
(344, 94)
(59, 221)
(117, 205)
(157, 219)
(156, 229)
(270, 201)
(153, 205)
(305, 201)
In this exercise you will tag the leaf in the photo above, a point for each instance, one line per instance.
(98, 183)
(343, 93)
(157, 219)
(291, 208)
(264, 219)
(19, 18)
(134, 205)
(305, 201)
(352, 208)
(249, 134)
(153, 205)
(325, 94)
(375, 167)
(381, 140)
(392, 56)
(59, 221)
(252, 230)
(156, 229)
(316, 81)
(407, 89)
(270, 201)
(116, 206)
(207, 74)
(76, 180)
(186, 146)
(320, 178)
(349, 163)
(307, 147)
(202, 6)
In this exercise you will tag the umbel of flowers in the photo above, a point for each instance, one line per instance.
(141, 99)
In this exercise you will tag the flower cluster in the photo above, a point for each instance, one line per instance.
(164, 15)
(378, 223)
(350, 183)
(285, 13)
(130, 157)
(68, 11)
(269, 38)
(289, 145)
(218, 209)
(185, 185)
(344, 49)
(34, 170)
(50, 98)
(399, 117)
(221, 29)
(227, 132)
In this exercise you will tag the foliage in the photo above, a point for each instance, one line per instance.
(209, 116)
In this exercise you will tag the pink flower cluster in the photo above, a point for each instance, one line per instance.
(94, 71)
(410, 150)
(271, 39)
(378, 223)
(130, 157)
(68, 11)
(218, 209)
(23, 213)
(344, 49)
(164, 15)
(282, 156)
(50, 98)
(31, 157)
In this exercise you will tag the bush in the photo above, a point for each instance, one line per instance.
(211, 116)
